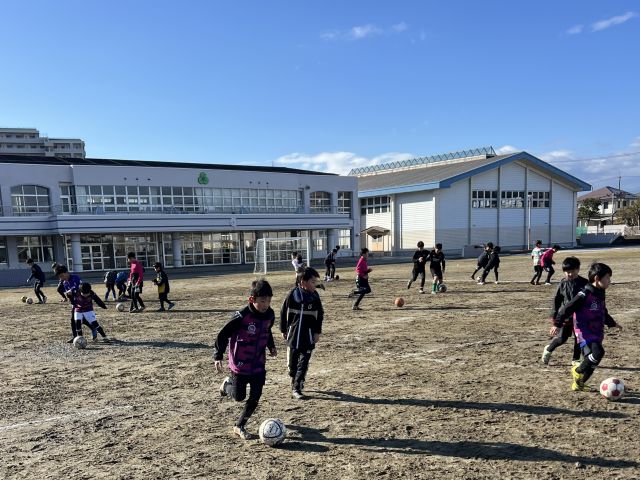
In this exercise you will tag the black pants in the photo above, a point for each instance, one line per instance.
(111, 287)
(550, 272)
(37, 289)
(164, 297)
(486, 272)
(122, 289)
(362, 288)
(136, 299)
(537, 274)
(237, 390)
(593, 354)
(561, 338)
(330, 271)
(95, 327)
(414, 276)
(478, 268)
(298, 364)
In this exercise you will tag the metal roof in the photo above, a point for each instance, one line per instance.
(108, 162)
(444, 173)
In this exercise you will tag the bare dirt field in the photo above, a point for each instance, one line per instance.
(449, 386)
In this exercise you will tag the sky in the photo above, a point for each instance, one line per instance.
(330, 85)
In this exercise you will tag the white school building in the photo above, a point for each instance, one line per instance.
(467, 198)
(88, 213)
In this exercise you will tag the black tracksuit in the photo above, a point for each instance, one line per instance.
(567, 290)
(483, 259)
(492, 264)
(38, 274)
(419, 267)
(301, 317)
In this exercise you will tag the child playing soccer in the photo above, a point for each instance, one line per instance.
(248, 333)
(420, 257)
(298, 265)
(136, 282)
(569, 286)
(436, 267)
(547, 262)
(38, 275)
(162, 281)
(483, 259)
(121, 284)
(110, 283)
(301, 319)
(536, 253)
(71, 286)
(492, 264)
(330, 265)
(362, 279)
(590, 315)
(83, 311)
(60, 287)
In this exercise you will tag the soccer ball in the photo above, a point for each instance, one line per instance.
(272, 432)
(80, 342)
(337, 277)
(612, 388)
(29, 300)
(442, 288)
(399, 302)
(24, 299)
(120, 307)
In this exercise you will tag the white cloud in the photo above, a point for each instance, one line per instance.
(610, 22)
(337, 162)
(635, 143)
(575, 30)
(506, 149)
(360, 32)
(399, 27)
(557, 155)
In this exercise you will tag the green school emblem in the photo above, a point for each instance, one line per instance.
(203, 179)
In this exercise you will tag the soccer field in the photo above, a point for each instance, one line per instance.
(449, 386)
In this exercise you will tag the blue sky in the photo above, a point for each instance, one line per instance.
(329, 85)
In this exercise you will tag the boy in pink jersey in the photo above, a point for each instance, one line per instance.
(362, 279)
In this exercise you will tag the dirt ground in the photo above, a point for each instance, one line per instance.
(449, 386)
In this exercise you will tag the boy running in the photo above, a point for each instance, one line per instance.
(569, 287)
(83, 311)
(590, 315)
(436, 267)
(536, 253)
(362, 279)
(248, 333)
(547, 262)
(38, 275)
(162, 281)
(420, 258)
(483, 259)
(301, 319)
(492, 264)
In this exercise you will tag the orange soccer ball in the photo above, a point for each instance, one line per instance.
(399, 302)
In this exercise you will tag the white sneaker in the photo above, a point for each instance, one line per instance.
(223, 385)
(297, 394)
(547, 283)
(480, 283)
(546, 355)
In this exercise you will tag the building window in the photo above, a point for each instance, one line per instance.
(484, 199)
(539, 199)
(204, 248)
(344, 239)
(38, 248)
(30, 200)
(375, 205)
(511, 199)
(605, 205)
(344, 203)
(320, 202)
(3, 250)
(319, 240)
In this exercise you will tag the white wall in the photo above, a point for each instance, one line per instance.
(484, 221)
(563, 228)
(512, 232)
(415, 212)
(452, 215)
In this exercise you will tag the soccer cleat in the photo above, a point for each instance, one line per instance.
(546, 355)
(350, 295)
(497, 282)
(575, 363)
(433, 292)
(480, 283)
(70, 340)
(356, 307)
(44, 299)
(141, 309)
(223, 386)
(297, 394)
(547, 283)
(580, 387)
(409, 284)
(171, 305)
(532, 282)
(94, 339)
(578, 377)
(106, 340)
(242, 433)
(421, 290)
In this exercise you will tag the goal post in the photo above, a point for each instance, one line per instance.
(274, 254)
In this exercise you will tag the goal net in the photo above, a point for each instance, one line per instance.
(273, 254)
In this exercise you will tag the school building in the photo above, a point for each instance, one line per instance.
(467, 198)
(88, 212)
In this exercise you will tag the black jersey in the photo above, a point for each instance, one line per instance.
(420, 254)
(437, 260)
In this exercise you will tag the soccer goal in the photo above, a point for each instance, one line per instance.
(273, 254)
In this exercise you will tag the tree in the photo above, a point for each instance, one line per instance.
(629, 215)
(590, 208)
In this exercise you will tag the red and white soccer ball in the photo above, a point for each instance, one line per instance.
(612, 388)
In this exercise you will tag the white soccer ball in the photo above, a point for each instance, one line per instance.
(24, 299)
(442, 288)
(29, 300)
(612, 388)
(80, 342)
(120, 307)
(272, 432)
